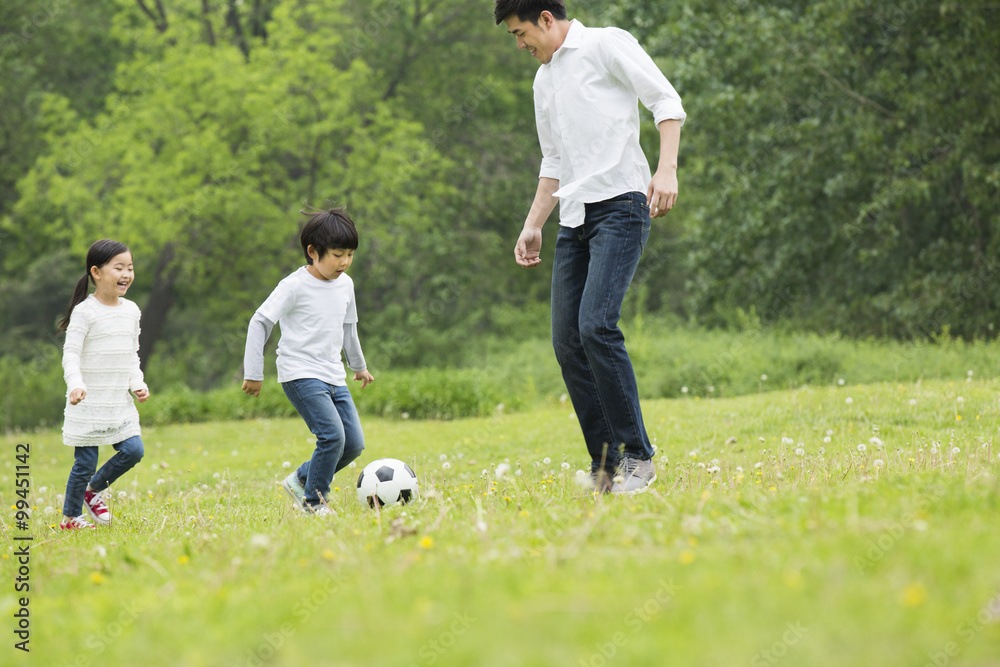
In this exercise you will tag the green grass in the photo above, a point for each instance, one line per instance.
(745, 552)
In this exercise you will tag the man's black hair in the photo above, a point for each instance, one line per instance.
(528, 10)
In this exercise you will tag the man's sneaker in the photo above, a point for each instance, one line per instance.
(75, 523)
(599, 481)
(294, 488)
(322, 510)
(634, 476)
(96, 508)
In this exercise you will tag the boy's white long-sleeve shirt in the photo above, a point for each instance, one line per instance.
(318, 320)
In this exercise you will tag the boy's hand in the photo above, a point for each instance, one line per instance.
(76, 396)
(364, 377)
(252, 387)
(141, 395)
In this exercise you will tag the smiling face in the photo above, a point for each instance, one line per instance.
(540, 39)
(331, 265)
(114, 278)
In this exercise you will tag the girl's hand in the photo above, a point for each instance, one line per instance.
(77, 395)
(141, 395)
(364, 377)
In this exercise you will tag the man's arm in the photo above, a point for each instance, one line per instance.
(529, 243)
(662, 193)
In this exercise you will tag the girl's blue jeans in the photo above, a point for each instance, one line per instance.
(329, 412)
(591, 272)
(128, 453)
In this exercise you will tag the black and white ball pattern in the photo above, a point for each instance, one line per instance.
(387, 482)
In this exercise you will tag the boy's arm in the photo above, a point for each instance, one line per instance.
(253, 355)
(355, 357)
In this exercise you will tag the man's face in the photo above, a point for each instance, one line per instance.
(539, 39)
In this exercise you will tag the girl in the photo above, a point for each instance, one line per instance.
(101, 366)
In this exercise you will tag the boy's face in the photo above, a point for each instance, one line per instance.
(541, 39)
(331, 265)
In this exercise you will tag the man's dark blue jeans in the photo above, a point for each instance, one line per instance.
(591, 272)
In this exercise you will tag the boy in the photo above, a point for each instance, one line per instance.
(586, 95)
(318, 315)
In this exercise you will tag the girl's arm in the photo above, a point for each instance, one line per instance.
(136, 382)
(76, 333)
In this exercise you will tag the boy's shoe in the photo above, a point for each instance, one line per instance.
(294, 488)
(98, 511)
(75, 523)
(634, 476)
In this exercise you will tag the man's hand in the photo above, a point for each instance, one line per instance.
(662, 192)
(364, 377)
(529, 245)
(252, 387)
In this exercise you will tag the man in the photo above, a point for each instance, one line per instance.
(586, 112)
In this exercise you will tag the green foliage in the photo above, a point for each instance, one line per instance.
(840, 154)
(838, 170)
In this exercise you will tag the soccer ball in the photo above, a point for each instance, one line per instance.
(387, 481)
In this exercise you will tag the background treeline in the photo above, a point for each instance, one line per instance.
(840, 174)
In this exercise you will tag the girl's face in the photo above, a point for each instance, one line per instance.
(113, 279)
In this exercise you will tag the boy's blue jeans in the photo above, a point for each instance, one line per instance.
(591, 272)
(329, 412)
(129, 452)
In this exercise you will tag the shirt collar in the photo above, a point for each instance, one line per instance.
(574, 38)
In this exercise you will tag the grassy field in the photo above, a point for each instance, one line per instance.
(842, 525)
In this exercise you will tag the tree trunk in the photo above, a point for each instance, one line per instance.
(161, 298)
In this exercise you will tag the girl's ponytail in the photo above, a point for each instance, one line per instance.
(79, 294)
(99, 254)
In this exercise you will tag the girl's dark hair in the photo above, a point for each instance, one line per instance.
(330, 229)
(100, 253)
(528, 10)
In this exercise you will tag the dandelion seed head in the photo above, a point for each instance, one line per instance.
(800, 452)
(446, 465)
(862, 448)
(848, 400)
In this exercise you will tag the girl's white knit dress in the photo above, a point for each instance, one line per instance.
(101, 356)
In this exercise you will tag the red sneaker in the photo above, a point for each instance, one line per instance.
(75, 522)
(96, 508)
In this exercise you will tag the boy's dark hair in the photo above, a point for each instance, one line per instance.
(330, 229)
(528, 10)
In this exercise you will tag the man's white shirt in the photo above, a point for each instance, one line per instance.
(587, 116)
